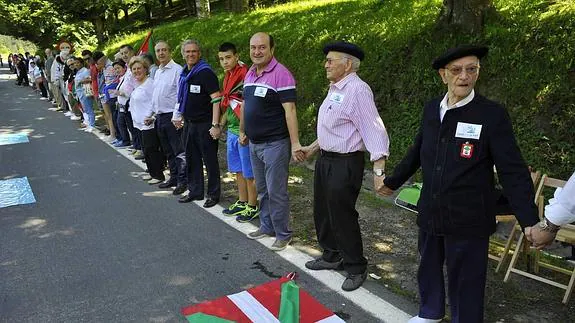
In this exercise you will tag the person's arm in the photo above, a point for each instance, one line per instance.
(512, 171)
(292, 125)
(243, 139)
(215, 130)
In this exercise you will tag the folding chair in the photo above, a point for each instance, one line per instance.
(502, 257)
(565, 234)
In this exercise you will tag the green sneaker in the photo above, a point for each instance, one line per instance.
(235, 209)
(248, 214)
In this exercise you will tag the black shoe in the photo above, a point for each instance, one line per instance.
(188, 198)
(166, 185)
(320, 264)
(179, 189)
(211, 202)
(353, 281)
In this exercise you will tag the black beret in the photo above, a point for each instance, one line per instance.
(459, 52)
(344, 47)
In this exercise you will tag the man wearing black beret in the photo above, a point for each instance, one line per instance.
(461, 137)
(348, 125)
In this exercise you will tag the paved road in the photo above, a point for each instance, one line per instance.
(100, 246)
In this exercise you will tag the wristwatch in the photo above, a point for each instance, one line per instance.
(379, 172)
(216, 125)
(546, 225)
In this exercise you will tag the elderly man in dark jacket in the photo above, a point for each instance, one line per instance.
(461, 137)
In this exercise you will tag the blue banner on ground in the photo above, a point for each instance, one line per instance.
(15, 191)
(13, 138)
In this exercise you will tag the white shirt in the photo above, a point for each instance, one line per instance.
(561, 208)
(56, 71)
(443, 107)
(166, 87)
(127, 85)
(141, 104)
(36, 73)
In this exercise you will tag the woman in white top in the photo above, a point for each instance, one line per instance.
(143, 118)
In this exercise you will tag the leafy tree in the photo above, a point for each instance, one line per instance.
(464, 15)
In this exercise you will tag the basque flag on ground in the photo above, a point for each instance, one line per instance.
(279, 301)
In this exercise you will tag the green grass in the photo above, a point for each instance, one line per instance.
(530, 67)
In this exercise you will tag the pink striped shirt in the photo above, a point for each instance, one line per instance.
(348, 120)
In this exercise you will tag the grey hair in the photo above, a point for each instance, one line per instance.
(164, 42)
(355, 62)
(189, 42)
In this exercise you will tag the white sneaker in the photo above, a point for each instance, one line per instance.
(417, 319)
(146, 177)
(75, 118)
(89, 129)
(44, 99)
(154, 181)
(68, 114)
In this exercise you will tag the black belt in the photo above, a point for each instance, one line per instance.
(333, 154)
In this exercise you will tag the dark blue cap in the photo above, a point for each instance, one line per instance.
(459, 52)
(344, 47)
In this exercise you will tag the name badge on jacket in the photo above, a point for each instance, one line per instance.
(468, 130)
(336, 97)
(195, 88)
(261, 91)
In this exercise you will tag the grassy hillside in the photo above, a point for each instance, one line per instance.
(530, 68)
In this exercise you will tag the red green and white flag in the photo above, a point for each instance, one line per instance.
(279, 301)
(145, 47)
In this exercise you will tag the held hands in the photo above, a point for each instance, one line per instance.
(297, 152)
(538, 237)
(177, 123)
(308, 152)
(243, 139)
(149, 120)
(215, 132)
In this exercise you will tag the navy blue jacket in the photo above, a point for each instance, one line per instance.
(458, 195)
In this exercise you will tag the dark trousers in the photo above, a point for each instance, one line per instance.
(114, 109)
(154, 157)
(43, 90)
(337, 182)
(201, 149)
(124, 119)
(466, 260)
(171, 141)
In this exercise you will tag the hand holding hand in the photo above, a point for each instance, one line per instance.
(297, 153)
(538, 237)
(243, 139)
(307, 151)
(149, 120)
(385, 191)
(178, 123)
(215, 132)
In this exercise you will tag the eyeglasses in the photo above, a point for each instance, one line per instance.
(456, 70)
(330, 61)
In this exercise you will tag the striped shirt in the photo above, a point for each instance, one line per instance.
(264, 115)
(348, 120)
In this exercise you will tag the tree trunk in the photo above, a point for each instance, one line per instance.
(171, 3)
(238, 5)
(99, 27)
(125, 10)
(162, 3)
(202, 8)
(148, 10)
(190, 7)
(464, 15)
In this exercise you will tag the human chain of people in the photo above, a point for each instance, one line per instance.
(174, 116)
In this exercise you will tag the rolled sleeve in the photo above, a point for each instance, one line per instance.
(370, 125)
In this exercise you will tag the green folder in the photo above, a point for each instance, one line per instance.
(408, 197)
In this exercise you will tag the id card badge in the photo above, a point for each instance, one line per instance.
(261, 91)
(466, 150)
(336, 97)
(194, 88)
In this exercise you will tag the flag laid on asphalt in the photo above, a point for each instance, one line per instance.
(279, 301)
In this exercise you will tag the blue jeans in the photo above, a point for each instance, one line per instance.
(88, 106)
(270, 164)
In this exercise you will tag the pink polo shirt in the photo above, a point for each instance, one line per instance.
(348, 120)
